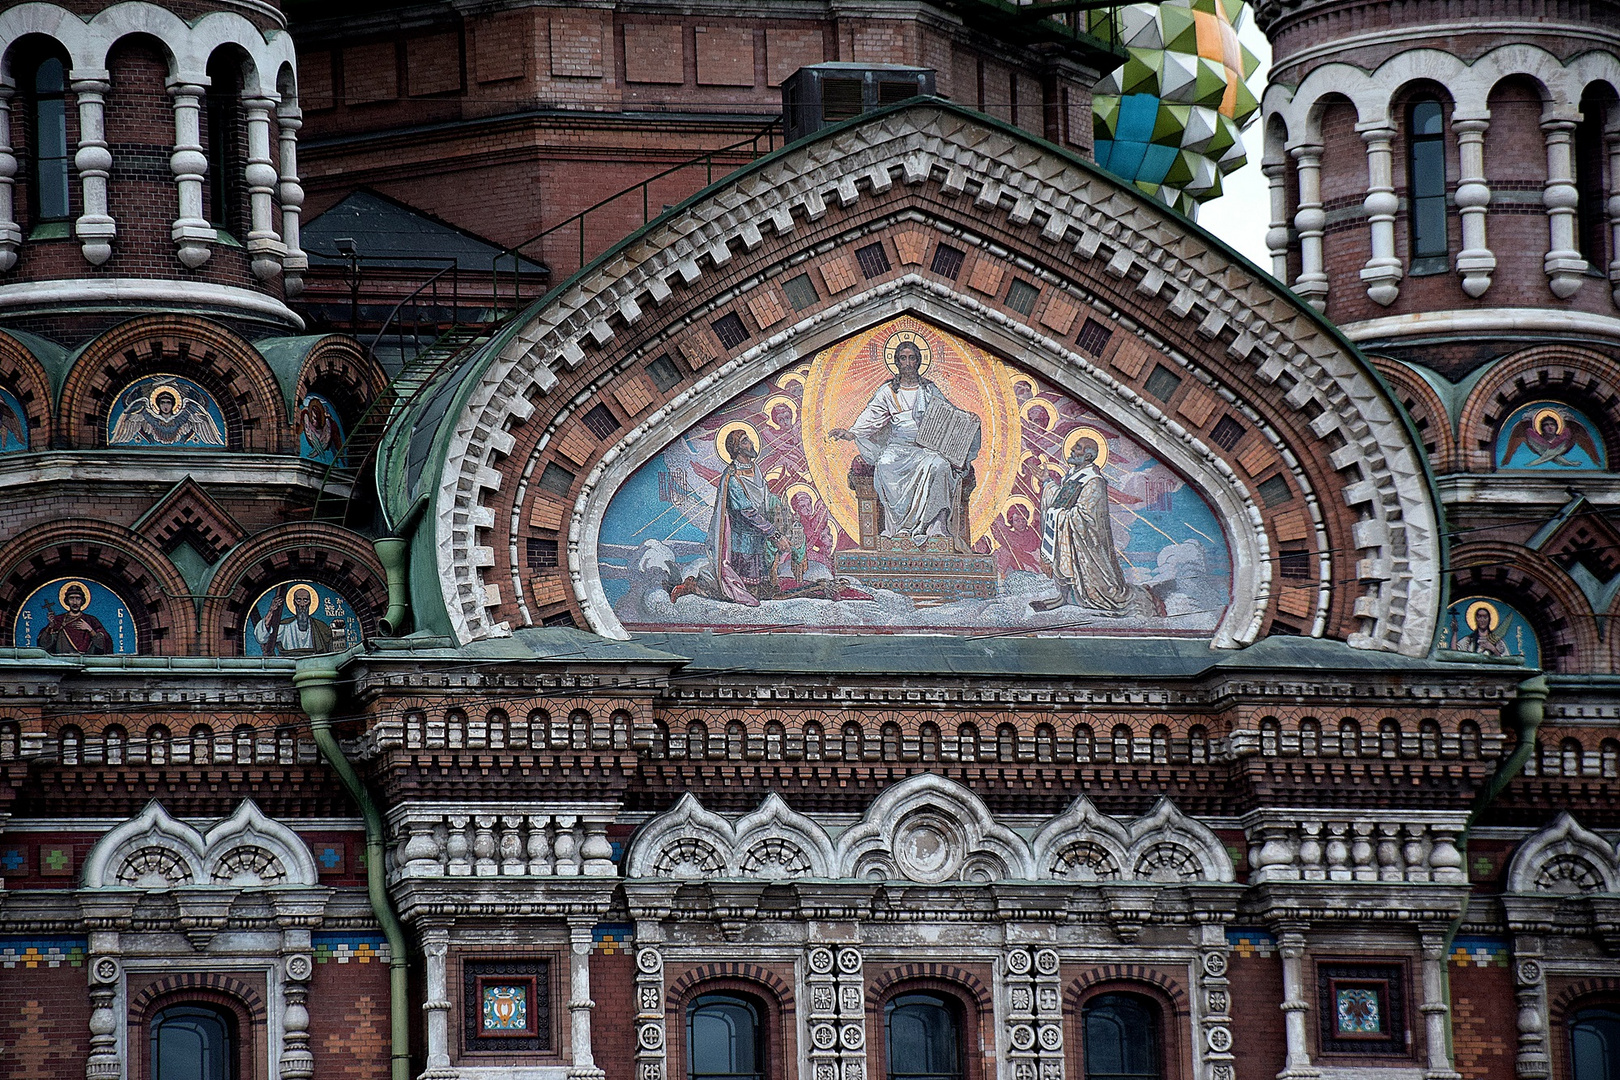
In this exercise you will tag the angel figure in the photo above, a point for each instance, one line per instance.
(165, 417)
(1550, 438)
(316, 425)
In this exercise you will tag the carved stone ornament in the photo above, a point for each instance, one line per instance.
(929, 829)
(155, 851)
(1564, 858)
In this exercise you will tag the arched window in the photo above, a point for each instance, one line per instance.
(1045, 742)
(1310, 738)
(1122, 743)
(854, 739)
(224, 135)
(1198, 745)
(924, 1038)
(244, 739)
(1594, 1044)
(812, 741)
(775, 740)
(1468, 740)
(1426, 179)
(1389, 738)
(723, 1039)
(192, 1043)
(1270, 736)
(736, 740)
(1159, 744)
(967, 743)
(928, 741)
(1591, 209)
(1006, 743)
(48, 190)
(1121, 1038)
(202, 744)
(1084, 742)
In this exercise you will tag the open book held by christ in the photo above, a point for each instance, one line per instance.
(950, 432)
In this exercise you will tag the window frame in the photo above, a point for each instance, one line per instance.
(1392, 977)
(1433, 259)
(761, 1013)
(228, 1020)
(1156, 1010)
(1573, 1019)
(35, 175)
(952, 1005)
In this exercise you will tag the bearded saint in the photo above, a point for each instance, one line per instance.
(915, 485)
(1079, 535)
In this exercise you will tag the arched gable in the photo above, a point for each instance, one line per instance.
(1276, 420)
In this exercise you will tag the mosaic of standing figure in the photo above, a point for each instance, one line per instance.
(1549, 435)
(299, 617)
(75, 617)
(905, 479)
(1479, 624)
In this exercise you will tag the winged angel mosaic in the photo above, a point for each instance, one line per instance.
(905, 479)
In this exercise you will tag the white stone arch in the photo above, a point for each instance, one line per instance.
(1056, 360)
(1165, 833)
(122, 859)
(1021, 185)
(1082, 844)
(684, 841)
(930, 829)
(154, 850)
(247, 829)
(1564, 858)
(776, 841)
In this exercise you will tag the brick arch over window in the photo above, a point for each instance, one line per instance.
(1543, 593)
(215, 358)
(22, 376)
(1582, 378)
(696, 981)
(1144, 982)
(127, 563)
(339, 370)
(1255, 387)
(322, 553)
(1142, 974)
(189, 983)
(1579, 994)
(963, 981)
(1428, 412)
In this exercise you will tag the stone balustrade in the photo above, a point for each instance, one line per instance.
(501, 840)
(1313, 845)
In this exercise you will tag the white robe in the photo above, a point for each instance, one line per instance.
(913, 483)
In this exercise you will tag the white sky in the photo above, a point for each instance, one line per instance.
(1242, 214)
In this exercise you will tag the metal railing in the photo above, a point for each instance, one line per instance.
(770, 136)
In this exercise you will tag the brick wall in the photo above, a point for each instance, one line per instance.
(46, 1022)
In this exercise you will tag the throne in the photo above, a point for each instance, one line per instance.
(945, 568)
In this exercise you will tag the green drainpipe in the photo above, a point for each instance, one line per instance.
(317, 693)
(1523, 717)
(394, 552)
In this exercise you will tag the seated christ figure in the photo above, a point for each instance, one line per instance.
(916, 486)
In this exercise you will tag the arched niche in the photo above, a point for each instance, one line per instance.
(852, 551)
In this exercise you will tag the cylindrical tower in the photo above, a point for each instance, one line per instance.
(147, 162)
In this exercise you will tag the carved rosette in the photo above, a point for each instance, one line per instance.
(835, 979)
(1214, 988)
(1033, 1008)
(1531, 1062)
(104, 1061)
(297, 1060)
(650, 1013)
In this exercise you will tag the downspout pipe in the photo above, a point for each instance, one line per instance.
(1523, 717)
(317, 693)
(394, 552)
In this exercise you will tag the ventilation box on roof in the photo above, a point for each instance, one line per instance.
(823, 94)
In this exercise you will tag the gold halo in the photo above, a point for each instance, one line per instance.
(794, 489)
(780, 399)
(165, 388)
(1086, 433)
(735, 425)
(61, 594)
(1025, 380)
(1496, 616)
(1554, 413)
(793, 375)
(314, 597)
(1017, 500)
(894, 342)
(1051, 411)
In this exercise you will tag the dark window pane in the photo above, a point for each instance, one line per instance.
(1426, 118)
(556, 479)
(947, 261)
(664, 374)
(1227, 433)
(730, 330)
(601, 421)
(891, 92)
(1426, 180)
(1594, 1043)
(1274, 489)
(924, 1040)
(723, 1038)
(1121, 1038)
(50, 187)
(840, 99)
(1094, 337)
(1021, 297)
(191, 1044)
(873, 260)
(1162, 383)
(801, 292)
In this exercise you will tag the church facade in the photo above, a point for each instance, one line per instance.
(915, 608)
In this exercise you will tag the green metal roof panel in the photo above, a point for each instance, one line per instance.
(286, 359)
(56, 360)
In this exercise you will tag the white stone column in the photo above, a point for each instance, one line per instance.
(1295, 1006)
(1215, 1002)
(1475, 262)
(297, 1060)
(580, 1003)
(289, 119)
(264, 246)
(1531, 1061)
(194, 237)
(650, 1035)
(1020, 1051)
(104, 1062)
(1611, 143)
(1565, 265)
(1276, 173)
(436, 1006)
(1382, 272)
(1435, 1012)
(10, 234)
(95, 227)
(1310, 222)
